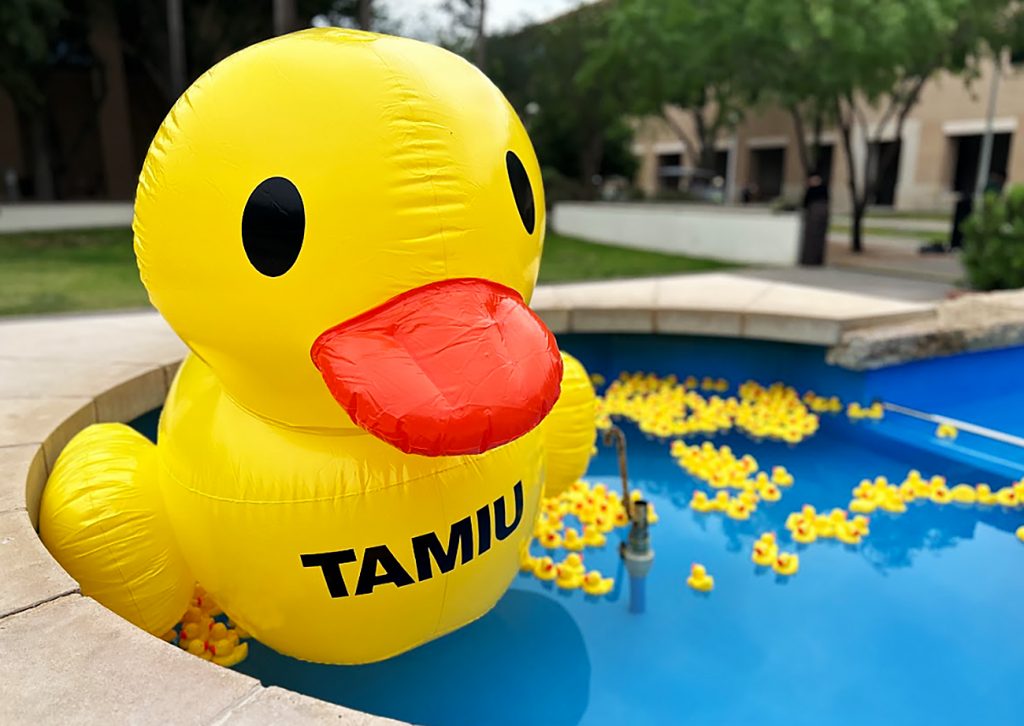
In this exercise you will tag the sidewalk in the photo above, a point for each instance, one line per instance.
(46, 216)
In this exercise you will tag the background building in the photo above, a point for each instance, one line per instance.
(937, 155)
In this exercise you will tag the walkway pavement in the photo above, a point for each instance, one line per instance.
(46, 216)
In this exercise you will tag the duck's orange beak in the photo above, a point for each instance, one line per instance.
(454, 367)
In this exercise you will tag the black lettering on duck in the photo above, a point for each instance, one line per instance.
(426, 549)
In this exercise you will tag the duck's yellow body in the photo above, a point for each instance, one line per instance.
(248, 500)
(345, 229)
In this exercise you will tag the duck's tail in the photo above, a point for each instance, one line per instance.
(102, 518)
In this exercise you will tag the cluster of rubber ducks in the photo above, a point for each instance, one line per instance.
(598, 511)
(870, 495)
(822, 404)
(202, 634)
(873, 412)
(808, 525)
(776, 412)
(766, 553)
(569, 574)
(667, 407)
(722, 470)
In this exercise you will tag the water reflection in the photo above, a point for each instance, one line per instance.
(481, 674)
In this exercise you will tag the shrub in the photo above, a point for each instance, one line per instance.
(994, 242)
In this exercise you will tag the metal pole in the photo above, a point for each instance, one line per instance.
(983, 431)
(985, 159)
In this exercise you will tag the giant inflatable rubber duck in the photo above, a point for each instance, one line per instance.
(344, 228)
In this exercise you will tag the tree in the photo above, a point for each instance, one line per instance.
(466, 32)
(29, 29)
(575, 119)
(685, 53)
(862, 64)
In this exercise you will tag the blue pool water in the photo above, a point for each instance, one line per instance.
(919, 624)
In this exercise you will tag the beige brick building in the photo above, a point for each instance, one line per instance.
(938, 152)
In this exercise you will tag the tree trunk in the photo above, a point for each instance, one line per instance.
(176, 44)
(801, 140)
(590, 161)
(480, 45)
(364, 14)
(42, 161)
(857, 204)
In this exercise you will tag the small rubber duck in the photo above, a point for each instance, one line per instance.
(804, 533)
(699, 578)
(545, 569)
(550, 539)
(738, 509)
(573, 562)
(848, 533)
(527, 562)
(862, 525)
(1020, 533)
(946, 431)
(593, 536)
(781, 476)
(1007, 497)
(985, 496)
(770, 493)
(568, 578)
(765, 550)
(786, 563)
(572, 540)
(862, 506)
(893, 503)
(941, 495)
(700, 502)
(720, 502)
(594, 584)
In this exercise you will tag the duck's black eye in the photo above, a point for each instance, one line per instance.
(521, 190)
(273, 225)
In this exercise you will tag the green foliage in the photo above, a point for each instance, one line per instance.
(994, 242)
(27, 29)
(575, 121)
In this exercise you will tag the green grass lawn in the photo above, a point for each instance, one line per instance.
(74, 270)
(893, 232)
(572, 260)
(95, 269)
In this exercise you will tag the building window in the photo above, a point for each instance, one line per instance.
(967, 153)
(670, 171)
(767, 170)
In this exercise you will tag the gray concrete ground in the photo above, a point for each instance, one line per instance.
(876, 284)
(43, 216)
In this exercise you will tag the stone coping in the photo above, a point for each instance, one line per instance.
(719, 304)
(66, 658)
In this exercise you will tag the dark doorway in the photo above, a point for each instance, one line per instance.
(967, 152)
(885, 189)
(721, 165)
(670, 171)
(767, 167)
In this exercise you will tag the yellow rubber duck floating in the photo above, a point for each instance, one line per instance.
(545, 569)
(765, 550)
(699, 578)
(786, 563)
(595, 584)
(946, 431)
(1020, 533)
(350, 458)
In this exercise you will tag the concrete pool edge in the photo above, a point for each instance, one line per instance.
(66, 656)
